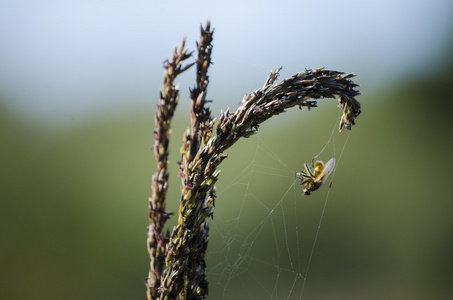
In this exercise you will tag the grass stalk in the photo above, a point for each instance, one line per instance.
(178, 267)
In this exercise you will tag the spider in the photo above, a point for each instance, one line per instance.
(313, 179)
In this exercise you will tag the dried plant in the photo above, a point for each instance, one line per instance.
(177, 260)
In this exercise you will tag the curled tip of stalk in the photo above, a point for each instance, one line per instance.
(322, 83)
(351, 107)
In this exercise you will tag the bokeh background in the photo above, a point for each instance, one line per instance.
(78, 86)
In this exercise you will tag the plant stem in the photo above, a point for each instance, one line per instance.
(178, 261)
(168, 101)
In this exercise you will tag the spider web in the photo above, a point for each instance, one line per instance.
(264, 232)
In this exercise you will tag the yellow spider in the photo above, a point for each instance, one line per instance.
(313, 179)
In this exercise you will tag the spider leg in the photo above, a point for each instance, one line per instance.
(300, 175)
(304, 182)
(308, 170)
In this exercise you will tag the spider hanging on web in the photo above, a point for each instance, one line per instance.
(312, 179)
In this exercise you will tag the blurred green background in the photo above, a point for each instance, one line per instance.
(75, 181)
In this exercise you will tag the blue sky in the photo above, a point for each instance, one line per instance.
(67, 58)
